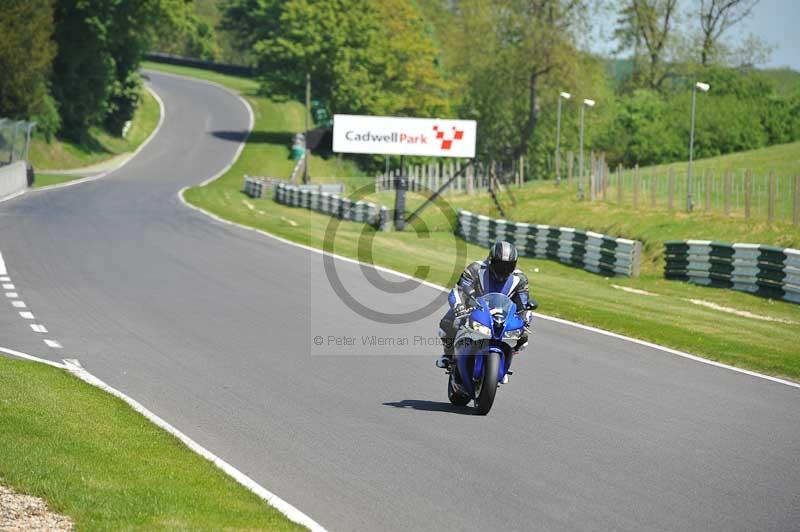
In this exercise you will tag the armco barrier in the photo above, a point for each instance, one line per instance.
(224, 68)
(258, 187)
(766, 271)
(583, 249)
(13, 178)
(311, 197)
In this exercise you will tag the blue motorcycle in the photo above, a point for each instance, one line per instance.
(484, 345)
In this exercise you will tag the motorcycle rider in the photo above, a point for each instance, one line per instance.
(498, 273)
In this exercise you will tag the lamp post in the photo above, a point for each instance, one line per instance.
(703, 87)
(584, 105)
(566, 96)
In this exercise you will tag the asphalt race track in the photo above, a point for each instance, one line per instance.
(211, 326)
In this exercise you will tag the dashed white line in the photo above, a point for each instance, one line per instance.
(37, 327)
(26, 315)
(19, 304)
(12, 295)
(5, 278)
(53, 344)
(8, 286)
(3, 270)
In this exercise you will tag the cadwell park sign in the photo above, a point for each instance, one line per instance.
(386, 135)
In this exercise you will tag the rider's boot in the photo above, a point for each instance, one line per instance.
(446, 359)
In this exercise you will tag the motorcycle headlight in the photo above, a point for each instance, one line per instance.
(481, 328)
(513, 335)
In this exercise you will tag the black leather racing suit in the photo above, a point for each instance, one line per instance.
(475, 281)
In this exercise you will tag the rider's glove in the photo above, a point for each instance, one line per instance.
(460, 311)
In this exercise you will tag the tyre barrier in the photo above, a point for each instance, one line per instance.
(766, 271)
(316, 199)
(255, 187)
(590, 251)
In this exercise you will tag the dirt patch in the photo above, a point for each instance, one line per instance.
(22, 513)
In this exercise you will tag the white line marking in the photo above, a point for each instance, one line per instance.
(12, 295)
(18, 304)
(74, 367)
(53, 344)
(244, 102)
(3, 270)
(125, 162)
(743, 313)
(37, 327)
(26, 315)
(12, 196)
(31, 357)
(633, 290)
(4, 278)
(443, 289)
(8, 286)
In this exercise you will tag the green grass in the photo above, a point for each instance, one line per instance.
(709, 186)
(545, 203)
(100, 145)
(668, 318)
(268, 149)
(107, 467)
(45, 180)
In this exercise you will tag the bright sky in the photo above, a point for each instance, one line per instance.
(776, 21)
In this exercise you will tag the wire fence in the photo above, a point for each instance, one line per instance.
(15, 140)
(758, 196)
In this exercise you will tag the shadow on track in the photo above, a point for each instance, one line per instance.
(256, 137)
(430, 406)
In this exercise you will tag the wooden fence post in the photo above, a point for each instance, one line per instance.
(653, 189)
(636, 186)
(619, 184)
(521, 173)
(727, 192)
(748, 183)
(796, 206)
(671, 191)
(771, 199)
(707, 179)
(570, 167)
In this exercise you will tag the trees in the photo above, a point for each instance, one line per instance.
(101, 43)
(26, 53)
(363, 57)
(510, 51)
(654, 20)
(716, 17)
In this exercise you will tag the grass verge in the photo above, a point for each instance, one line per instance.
(100, 145)
(667, 316)
(107, 467)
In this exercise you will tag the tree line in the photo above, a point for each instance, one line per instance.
(505, 62)
(73, 64)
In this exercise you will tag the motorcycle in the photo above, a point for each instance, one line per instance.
(484, 345)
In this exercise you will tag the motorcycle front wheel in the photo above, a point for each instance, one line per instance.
(457, 398)
(488, 384)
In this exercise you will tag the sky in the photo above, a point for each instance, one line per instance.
(776, 21)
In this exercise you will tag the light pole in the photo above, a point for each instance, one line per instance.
(703, 87)
(584, 105)
(566, 96)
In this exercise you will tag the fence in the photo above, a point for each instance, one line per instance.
(426, 177)
(766, 271)
(224, 68)
(583, 249)
(15, 139)
(765, 196)
(310, 197)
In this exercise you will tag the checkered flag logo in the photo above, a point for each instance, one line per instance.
(448, 139)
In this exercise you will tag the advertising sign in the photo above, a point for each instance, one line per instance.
(386, 135)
